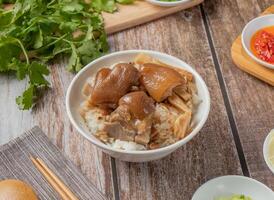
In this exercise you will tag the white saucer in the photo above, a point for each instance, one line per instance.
(229, 185)
(265, 150)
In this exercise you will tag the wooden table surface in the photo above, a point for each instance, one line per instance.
(231, 141)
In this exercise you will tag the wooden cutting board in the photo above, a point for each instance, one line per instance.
(140, 12)
(247, 64)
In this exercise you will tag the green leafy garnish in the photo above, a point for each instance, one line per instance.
(234, 197)
(108, 5)
(33, 32)
(26, 100)
(104, 5)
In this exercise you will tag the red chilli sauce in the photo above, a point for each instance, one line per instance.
(262, 44)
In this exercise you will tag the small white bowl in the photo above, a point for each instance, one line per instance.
(266, 148)
(166, 3)
(230, 185)
(250, 29)
(74, 99)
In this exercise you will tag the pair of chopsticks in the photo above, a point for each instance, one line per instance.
(53, 180)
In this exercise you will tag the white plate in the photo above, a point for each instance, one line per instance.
(74, 99)
(166, 3)
(266, 148)
(229, 185)
(250, 29)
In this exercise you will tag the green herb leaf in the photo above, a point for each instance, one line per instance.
(5, 18)
(25, 101)
(8, 49)
(125, 1)
(38, 40)
(104, 5)
(20, 68)
(37, 71)
(74, 63)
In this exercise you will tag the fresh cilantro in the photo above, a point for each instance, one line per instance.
(26, 100)
(108, 5)
(104, 5)
(32, 32)
(37, 71)
(125, 1)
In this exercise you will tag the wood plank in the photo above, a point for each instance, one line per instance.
(138, 13)
(252, 100)
(212, 153)
(51, 116)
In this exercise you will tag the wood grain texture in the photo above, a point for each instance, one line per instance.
(252, 100)
(16, 164)
(50, 115)
(138, 13)
(247, 64)
(212, 153)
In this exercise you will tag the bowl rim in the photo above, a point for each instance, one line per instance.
(265, 149)
(258, 60)
(167, 3)
(231, 176)
(142, 152)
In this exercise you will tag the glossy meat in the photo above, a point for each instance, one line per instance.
(159, 81)
(145, 58)
(138, 103)
(117, 131)
(131, 120)
(119, 125)
(111, 85)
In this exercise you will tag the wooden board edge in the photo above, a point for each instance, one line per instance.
(151, 17)
(248, 70)
(269, 10)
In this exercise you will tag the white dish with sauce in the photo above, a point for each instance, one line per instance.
(250, 29)
(231, 185)
(269, 146)
(74, 98)
(168, 3)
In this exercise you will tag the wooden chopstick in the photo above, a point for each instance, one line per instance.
(50, 180)
(53, 180)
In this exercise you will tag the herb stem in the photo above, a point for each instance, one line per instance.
(23, 49)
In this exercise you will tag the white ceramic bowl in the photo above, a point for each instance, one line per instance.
(250, 29)
(74, 99)
(229, 185)
(168, 4)
(266, 148)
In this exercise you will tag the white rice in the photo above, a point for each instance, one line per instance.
(166, 119)
(93, 121)
(125, 145)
